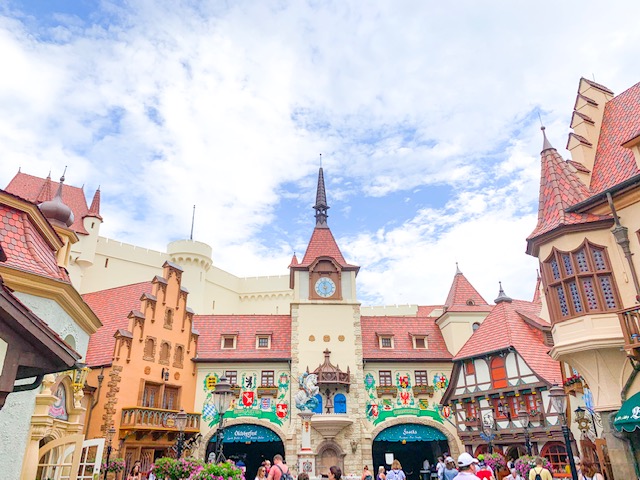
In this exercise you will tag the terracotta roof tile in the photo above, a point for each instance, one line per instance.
(463, 297)
(321, 244)
(621, 121)
(578, 166)
(246, 327)
(560, 188)
(35, 189)
(25, 248)
(598, 86)
(112, 307)
(504, 328)
(579, 138)
(402, 328)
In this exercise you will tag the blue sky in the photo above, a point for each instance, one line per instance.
(426, 115)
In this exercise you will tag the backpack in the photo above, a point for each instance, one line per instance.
(285, 475)
(538, 476)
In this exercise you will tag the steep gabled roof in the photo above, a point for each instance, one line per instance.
(322, 244)
(112, 307)
(402, 329)
(463, 297)
(35, 189)
(505, 327)
(213, 327)
(560, 188)
(621, 122)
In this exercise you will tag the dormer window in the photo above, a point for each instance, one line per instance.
(386, 341)
(470, 303)
(419, 341)
(229, 342)
(263, 341)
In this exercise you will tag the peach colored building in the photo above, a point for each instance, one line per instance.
(142, 368)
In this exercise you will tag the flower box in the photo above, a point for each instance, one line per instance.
(423, 390)
(390, 390)
(271, 391)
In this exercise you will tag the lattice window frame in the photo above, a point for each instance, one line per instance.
(580, 282)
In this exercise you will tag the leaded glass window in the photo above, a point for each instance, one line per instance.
(580, 281)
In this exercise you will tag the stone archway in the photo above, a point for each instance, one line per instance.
(200, 452)
(328, 453)
(455, 446)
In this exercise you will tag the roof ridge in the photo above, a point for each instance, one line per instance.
(116, 288)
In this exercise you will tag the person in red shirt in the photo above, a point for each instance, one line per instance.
(278, 468)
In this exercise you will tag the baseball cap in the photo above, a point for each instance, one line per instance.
(464, 460)
(448, 459)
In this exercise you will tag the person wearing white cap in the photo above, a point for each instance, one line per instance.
(467, 467)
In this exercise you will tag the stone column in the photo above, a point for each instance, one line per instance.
(619, 448)
(306, 457)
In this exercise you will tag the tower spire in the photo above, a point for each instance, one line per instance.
(321, 206)
(546, 145)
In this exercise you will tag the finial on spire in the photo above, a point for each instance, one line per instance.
(458, 272)
(546, 145)
(63, 174)
(320, 160)
(502, 297)
(321, 206)
(193, 219)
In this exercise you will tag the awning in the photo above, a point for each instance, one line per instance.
(628, 417)
(410, 432)
(249, 433)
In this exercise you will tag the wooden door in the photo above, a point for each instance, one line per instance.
(603, 458)
(60, 459)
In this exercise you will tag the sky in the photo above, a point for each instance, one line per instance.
(427, 115)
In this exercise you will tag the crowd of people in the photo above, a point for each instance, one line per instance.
(466, 467)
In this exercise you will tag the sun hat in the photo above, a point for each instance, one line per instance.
(464, 460)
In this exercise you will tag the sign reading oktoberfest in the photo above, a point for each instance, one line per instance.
(249, 433)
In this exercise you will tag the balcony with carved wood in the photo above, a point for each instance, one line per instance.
(156, 420)
(630, 324)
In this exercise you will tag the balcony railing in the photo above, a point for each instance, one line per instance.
(630, 324)
(142, 418)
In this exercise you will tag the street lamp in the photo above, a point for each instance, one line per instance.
(181, 423)
(558, 399)
(108, 437)
(222, 394)
(523, 416)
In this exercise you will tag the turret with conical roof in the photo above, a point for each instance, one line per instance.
(55, 210)
(321, 206)
(560, 189)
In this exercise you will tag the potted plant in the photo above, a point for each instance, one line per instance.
(496, 461)
(113, 468)
(527, 462)
(213, 471)
(171, 469)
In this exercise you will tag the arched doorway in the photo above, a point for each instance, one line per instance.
(251, 444)
(411, 444)
(329, 453)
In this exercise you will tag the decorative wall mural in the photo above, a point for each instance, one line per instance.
(59, 408)
(249, 402)
(440, 381)
(403, 402)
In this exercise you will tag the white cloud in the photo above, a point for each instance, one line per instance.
(170, 104)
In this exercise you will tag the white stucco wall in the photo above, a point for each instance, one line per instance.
(15, 418)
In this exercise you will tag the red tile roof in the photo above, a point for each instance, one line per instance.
(560, 188)
(504, 327)
(112, 307)
(620, 123)
(322, 244)
(25, 248)
(463, 297)
(402, 328)
(38, 190)
(246, 327)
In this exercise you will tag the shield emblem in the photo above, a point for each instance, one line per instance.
(247, 398)
(281, 410)
(446, 411)
(373, 410)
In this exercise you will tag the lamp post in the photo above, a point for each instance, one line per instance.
(181, 423)
(523, 416)
(108, 437)
(558, 399)
(222, 394)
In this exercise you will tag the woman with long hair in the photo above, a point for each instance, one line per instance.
(262, 473)
(396, 472)
(135, 473)
(590, 471)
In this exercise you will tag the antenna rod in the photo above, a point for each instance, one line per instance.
(193, 218)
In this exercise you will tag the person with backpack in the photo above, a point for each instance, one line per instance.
(279, 471)
(590, 471)
(396, 472)
(539, 472)
(366, 474)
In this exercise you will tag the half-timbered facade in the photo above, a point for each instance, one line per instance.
(501, 370)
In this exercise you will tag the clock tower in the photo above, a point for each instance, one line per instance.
(325, 317)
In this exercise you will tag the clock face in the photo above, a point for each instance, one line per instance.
(325, 287)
